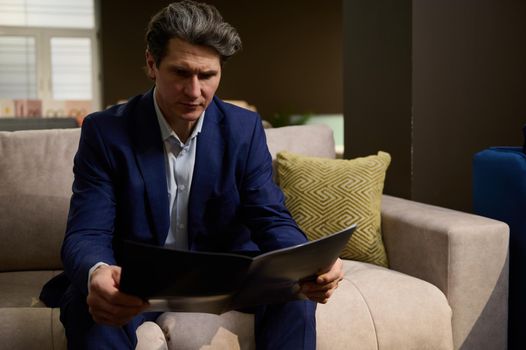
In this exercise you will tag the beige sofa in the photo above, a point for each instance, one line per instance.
(446, 287)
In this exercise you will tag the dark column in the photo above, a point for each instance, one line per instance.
(377, 85)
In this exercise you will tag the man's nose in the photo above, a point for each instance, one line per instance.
(193, 87)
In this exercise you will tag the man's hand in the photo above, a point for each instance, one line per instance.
(107, 305)
(325, 284)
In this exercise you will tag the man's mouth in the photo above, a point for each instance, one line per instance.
(191, 105)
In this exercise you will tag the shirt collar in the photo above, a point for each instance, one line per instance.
(166, 130)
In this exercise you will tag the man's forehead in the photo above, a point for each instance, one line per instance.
(177, 45)
(184, 55)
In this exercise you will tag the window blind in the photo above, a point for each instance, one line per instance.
(18, 67)
(71, 68)
(47, 13)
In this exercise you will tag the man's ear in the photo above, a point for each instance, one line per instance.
(150, 65)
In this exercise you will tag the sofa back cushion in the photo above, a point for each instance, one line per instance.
(315, 140)
(36, 172)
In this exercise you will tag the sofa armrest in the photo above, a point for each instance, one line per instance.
(464, 255)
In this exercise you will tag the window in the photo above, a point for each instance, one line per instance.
(47, 13)
(18, 67)
(71, 68)
(49, 52)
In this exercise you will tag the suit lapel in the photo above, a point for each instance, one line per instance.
(149, 151)
(207, 168)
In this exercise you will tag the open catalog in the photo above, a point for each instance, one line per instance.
(190, 281)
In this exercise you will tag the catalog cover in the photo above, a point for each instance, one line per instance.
(189, 281)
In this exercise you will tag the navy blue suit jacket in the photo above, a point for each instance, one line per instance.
(120, 187)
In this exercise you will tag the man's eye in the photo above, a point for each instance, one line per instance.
(206, 76)
(182, 73)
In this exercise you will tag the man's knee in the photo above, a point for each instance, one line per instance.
(83, 333)
(290, 325)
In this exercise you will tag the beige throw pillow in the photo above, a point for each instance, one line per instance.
(327, 195)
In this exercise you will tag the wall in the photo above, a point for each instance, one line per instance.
(433, 82)
(291, 61)
(469, 90)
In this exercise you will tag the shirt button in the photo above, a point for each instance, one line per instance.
(182, 187)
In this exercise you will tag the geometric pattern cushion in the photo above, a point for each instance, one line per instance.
(327, 195)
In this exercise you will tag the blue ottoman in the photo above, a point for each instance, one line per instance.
(499, 192)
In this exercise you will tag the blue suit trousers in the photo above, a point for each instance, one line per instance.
(282, 326)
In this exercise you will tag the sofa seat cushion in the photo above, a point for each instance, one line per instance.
(374, 308)
(31, 328)
(378, 308)
(232, 329)
(22, 288)
(20, 307)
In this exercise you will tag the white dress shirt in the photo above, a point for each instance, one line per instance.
(179, 160)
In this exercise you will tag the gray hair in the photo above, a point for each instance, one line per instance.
(194, 22)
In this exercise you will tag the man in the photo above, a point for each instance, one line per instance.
(176, 166)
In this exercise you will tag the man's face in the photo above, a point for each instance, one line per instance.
(186, 80)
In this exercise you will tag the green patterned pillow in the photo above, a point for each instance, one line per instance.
(327, 195)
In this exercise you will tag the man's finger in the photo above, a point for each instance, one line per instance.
(334, 273)
(104, 283)
(320, 297)
(314, 287)
(122, 299)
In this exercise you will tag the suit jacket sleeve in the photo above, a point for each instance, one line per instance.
(262, 201)
(90, 226)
